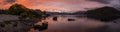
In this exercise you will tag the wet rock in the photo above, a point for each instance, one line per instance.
(71, 19)
(55, 18)
(44, 26)
(7, 22)
(16, 26)
(2, 25)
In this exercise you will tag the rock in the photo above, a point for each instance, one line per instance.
(55, 18)
(71, 19)
(44, 26)
(4, 17)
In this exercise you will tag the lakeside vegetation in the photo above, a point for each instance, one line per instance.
(23, 12)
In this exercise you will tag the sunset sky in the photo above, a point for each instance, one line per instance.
(61, 5)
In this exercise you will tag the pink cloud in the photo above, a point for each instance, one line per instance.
(56, 5)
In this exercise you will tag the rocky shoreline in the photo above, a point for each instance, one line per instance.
(12, 23)
(4, 17)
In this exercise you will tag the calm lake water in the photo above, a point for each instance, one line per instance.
(72, 23)
(60, 23)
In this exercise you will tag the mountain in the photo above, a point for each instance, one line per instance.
(75, 13)
(104, 14)
(79, 13)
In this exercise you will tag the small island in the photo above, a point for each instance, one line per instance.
(23, 12)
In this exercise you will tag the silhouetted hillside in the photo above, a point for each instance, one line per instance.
(104, 14)
(23, 12)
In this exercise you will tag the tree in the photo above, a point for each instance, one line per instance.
(2, 11)
(16, 9)
(23, 12)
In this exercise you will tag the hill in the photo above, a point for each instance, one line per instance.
(104, 14)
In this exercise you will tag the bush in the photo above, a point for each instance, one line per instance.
(23, 12)
(17, 9)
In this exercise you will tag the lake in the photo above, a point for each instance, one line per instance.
(60, 23)
(73, 23)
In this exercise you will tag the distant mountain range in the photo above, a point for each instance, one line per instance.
(103, 14)
(75, 13)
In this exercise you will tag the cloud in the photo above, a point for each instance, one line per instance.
(10, 1)
(54, 5)
(101, 1)
(115, 3)
(4, 4)
(111, 3)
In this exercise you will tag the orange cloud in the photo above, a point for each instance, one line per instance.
(1, 1)
(7, 5)
(55, 5)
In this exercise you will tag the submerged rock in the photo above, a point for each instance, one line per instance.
(55, 18)
(71, 19)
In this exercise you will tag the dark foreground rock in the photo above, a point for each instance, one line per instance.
(44, 26)
(55, 18)
(16, 25)
(71, 19)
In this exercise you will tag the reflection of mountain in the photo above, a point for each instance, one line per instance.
(79, 13)
(75, 13)
(104, 14)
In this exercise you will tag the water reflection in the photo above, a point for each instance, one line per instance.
(68, 23)
(81, 24)
(98, 29)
